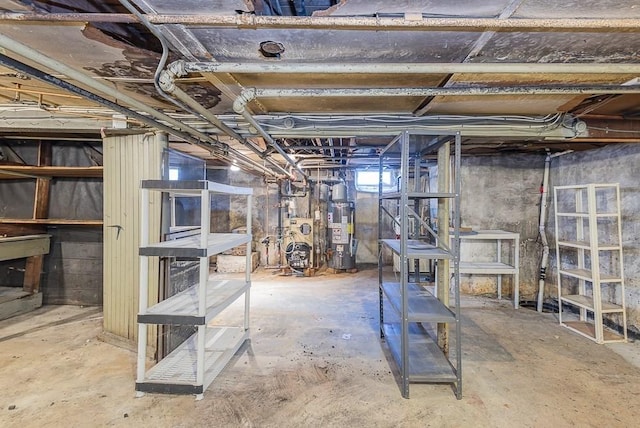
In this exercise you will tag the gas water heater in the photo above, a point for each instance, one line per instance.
(341, 222)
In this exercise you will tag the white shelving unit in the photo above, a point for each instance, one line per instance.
(590, 259)
(413, 320)
(191, 367)
(500, 265)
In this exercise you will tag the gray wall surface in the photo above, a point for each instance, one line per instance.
(72, 271)
(503, 192)
(610, 164)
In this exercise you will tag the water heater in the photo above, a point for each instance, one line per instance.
(341, 221)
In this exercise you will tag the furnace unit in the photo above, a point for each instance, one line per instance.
(298, 242)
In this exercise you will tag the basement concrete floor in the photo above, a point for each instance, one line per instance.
(315, 360)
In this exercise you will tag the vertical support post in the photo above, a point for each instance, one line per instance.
(621, 261)
(595, 262)
(444, 206)
(456, 260)
(380, 204)
(247, 275)
(499, 260)
(516, 276)
(205, 220)
(33, 267)
(404, 237)
(558, 257)
(143, 302)
(579, 201)
(417, 208)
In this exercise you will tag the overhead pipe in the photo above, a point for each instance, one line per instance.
(240, 107)
(376, 23)
(167, 84)
(179, 129)
(164, 79)
(450, 91)
(43, 60)
(410, 68)
(53, 80)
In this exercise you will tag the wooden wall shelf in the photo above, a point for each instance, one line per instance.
(13, 172)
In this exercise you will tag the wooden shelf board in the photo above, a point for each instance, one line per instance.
(587, 303)
(51, 221)
(588, 329)
(586, 275)
(50, 171)
(16, 247)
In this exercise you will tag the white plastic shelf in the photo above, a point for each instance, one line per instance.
(190, 245)
(182, 308)
(176, 373)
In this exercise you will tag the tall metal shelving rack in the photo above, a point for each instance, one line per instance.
(192, 366)
(415, 322)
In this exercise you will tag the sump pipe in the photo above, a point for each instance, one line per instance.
(240, 107)
(543, 236)
(544, 190)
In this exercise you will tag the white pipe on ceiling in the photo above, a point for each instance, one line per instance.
(409, 68)
(251, 21)
(449, 91)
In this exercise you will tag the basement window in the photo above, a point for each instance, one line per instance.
(174, 174)
(368, 180)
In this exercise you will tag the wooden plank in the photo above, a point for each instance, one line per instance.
(11, 171)
(51, 221)
(75, 289)
(15, 248)
(32, 274)
(20, 230)
(11, 293)
(43, 185)
(33, 268)
(81, 250)
(20, 306)
(588, 329)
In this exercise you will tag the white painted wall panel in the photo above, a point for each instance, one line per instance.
(128, 160)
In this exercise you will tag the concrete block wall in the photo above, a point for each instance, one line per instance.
(618, 163)
(503, 192)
